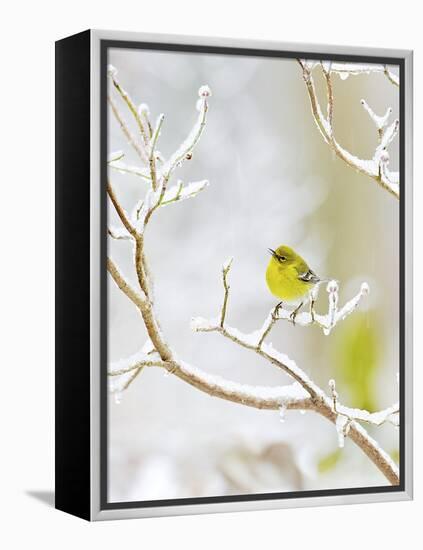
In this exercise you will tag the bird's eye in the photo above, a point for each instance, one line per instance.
(282, 258)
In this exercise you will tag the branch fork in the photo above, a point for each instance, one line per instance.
(376, 167)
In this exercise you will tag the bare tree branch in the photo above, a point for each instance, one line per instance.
(126, 131)
(377, 167)
(322, 404)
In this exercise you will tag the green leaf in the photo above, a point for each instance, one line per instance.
(328, 462)
(357, 360)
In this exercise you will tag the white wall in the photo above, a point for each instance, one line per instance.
(26, 290)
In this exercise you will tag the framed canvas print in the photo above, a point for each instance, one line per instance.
(233, 277)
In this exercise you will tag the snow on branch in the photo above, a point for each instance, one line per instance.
(326, 322)
(124, 168)
(159, 194)
(137, 360)
(132, 140)
(377, 166)
(255, 340)
(346, 420)
(344, 70)
(184, 151)
(183, 191)
(346, 415)
(118, 233)
(112, 72)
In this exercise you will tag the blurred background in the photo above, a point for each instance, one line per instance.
(273, 181)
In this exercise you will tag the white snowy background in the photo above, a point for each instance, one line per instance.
(272, 180)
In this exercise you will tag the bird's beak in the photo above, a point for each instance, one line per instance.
(272, 252)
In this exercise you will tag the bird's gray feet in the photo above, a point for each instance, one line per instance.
(294, 314)
(312, 302)
(275, 312)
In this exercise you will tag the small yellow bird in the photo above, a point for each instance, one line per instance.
(290, 279)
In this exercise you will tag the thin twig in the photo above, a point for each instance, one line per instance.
(137, 365)
(269, 324)
(151, 159)
(121, 212)
(225, 270)
(391, 77)
(126, 131)
(125, 96)
(371, 167)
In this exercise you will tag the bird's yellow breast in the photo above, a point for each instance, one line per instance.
(283, 282)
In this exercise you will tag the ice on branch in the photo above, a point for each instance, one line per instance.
(290, 396)
(379, 121)
(118, 233)
(346, 69)
(346, 415)
(326, 322)
(111, 71)
(342, 427)
(155, 135)
(128, 363)
(386, 133)
(116, 155)
(181, 192)
(200, 324)
(148, 348)
(190, 142)
(227, 264)
(204, 91)
(124, 168)
(143, 109)
(141, 141)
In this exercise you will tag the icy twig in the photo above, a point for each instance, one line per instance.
(118, 233)
(326, 322)
(181, 192)
(134, 365)
(344, 70)
(267, 327)
(255, 340)
(320, 402)
(126, 131)
(124, 168)
(391, 77)
(115, 156)
(152, 147)
(225, 270)
(379, 121)
(126, 98)
(144, 113)
(346, 415)
(371, 167)
(121, 212)
(184, 151)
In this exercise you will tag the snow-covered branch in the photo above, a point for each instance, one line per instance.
(159, 194)
(112, 73)
(184, 151)
(346, 420)
(326, 322)
(346, 415)
(377, 166)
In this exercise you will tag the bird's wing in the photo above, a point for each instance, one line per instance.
(309, 276)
